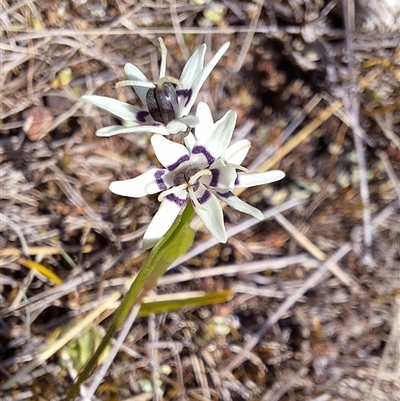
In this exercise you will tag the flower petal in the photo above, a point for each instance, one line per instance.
(193, 67)
(176, 126)
(120, 109)
(205, 72)
(204, 128)
(147, 183)
(189, 141)
(170, 154)
(213, 146)
(134, 74)
(223, 177)
(246, 180)
(190, 121)
(163, 220)
(120, 129)
(210, 213)
(236, 153)
(235, 202)
(181, 124)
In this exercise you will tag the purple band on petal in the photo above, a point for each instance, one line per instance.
(201, 149)
(237, 180)
(215, 177)
(181, 160)
(225, 194)
(205, 197)
(159, 180)
(141, 116)
(185, 93)
(173, 198)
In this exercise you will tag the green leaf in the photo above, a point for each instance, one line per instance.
(177, 301)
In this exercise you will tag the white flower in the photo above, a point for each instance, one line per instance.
(203, 171)
(166, 104)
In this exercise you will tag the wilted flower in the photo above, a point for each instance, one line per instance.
(203, 171)
(166, 104)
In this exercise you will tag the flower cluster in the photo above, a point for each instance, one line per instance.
(204, 169)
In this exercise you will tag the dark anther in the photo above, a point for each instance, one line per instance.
(190, 172)
(162, 102)
(179, 179)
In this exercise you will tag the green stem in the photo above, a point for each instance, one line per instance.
(174, 244)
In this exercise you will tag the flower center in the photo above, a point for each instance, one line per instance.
(187, 179)
(162, 102)
(184, 177)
